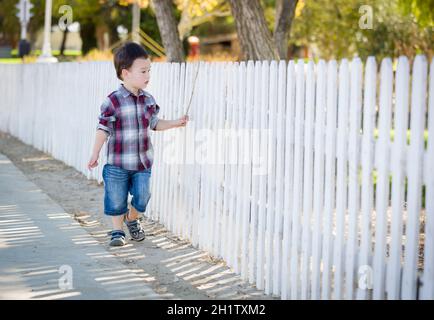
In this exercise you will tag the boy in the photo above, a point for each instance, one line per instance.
(126, 115)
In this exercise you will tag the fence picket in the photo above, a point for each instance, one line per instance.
(382, 190)
(318, 185)
(280, 173)
(353, 175)
(247, 172)
(398, 178)
(367, 180)
(307, 180)
(330, 180)
(428, 275)
(298, 179)
(271, 178)
(255, 177)
(341, 178)
(288, 189)
(414, 170)
(263, 167)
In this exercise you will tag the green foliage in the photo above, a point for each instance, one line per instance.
(422, 10)
(332, 28)
(9, 23)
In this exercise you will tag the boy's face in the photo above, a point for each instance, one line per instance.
(138, 74)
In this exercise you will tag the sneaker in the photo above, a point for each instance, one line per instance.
(118, 238)
(135, 229)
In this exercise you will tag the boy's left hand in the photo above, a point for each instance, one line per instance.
(181, 122)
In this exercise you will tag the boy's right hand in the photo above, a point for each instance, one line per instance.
(93, 162)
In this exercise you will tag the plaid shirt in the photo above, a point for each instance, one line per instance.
(126, 118)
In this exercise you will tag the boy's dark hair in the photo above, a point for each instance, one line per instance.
(125, 55)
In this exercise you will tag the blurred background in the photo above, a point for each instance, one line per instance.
(216, 30)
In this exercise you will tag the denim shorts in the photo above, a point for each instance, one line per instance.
(118, 183)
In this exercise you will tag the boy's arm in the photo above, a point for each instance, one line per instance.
(170, 124)
(100, 138)
(104, 129)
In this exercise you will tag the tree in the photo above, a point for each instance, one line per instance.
(97, 18)
(9, 23)
(422, 10)
(331, 28)
(168, 29)
(254, 35)
(197, 12)
(285, 11)
(192, 13)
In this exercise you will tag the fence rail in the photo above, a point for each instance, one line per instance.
(312, 181)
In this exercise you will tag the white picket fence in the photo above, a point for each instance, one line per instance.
(296, 214)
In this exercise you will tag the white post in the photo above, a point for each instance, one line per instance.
(23, 31)
(46, 55)
(24, 15)
(136, 22)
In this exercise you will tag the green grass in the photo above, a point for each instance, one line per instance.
(392, 135)
(69, 56)
(374, 182)
(10, 60)
(75, 53)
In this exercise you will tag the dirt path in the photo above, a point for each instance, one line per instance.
(175, 266)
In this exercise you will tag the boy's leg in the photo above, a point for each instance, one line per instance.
(118, 222)
(140, 190)
(132, 214)
(115, 199)
(117, 235)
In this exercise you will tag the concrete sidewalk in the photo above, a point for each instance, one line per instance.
(44, 252)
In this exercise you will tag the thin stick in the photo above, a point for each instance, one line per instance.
(192, 91)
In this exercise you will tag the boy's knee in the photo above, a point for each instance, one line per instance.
(141, 202)
(115, 207)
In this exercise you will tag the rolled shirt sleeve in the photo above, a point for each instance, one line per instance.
(154, 118)
(107, 116)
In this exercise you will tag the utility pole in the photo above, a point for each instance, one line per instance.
(136, 22)
(46, 55)
(24, 15)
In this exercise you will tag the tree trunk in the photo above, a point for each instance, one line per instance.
(87, 34)
(169, 30)
(255, 38)
(100, 31)
(285, 11)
